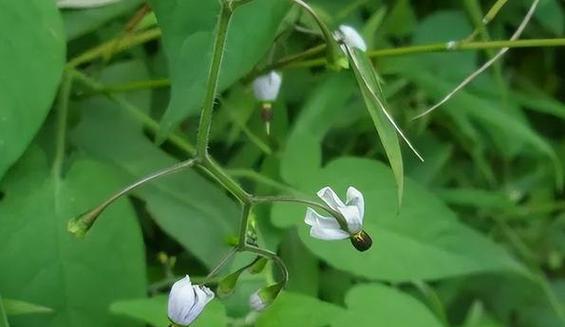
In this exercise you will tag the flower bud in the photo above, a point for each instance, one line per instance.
(266, 87)
(361, 241)
(80, 225)
(264, 297)
(186, 301)
(352, 38)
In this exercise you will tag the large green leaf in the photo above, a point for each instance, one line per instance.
(379, 305)
(31, 62)
(291, 309)
(422, 240)
(187, 36)
(190, 208)
(154, 312)
(78, 279)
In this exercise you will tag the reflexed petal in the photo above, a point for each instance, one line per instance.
(325, 228)
(353, 219)
(330, 198)
(181, 299)
(328, 234)
(352, 38)
(355, 198)
(203, 296)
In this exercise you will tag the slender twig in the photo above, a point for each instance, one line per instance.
(486, 65)
(205, 124)
(116, 45)
(271, 256)
(291, 199)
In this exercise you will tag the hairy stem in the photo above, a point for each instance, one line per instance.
(213, 78)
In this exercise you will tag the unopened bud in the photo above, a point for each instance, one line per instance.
(361, 241)
(264, 297)
(80, 225)
(266, 87)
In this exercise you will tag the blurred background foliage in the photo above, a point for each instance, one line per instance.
(478, 241)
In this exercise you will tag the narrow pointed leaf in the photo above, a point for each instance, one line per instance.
(376, 105)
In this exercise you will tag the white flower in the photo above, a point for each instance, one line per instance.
(186, 301)
(256, 302)
(351, 37)
(328, 228)
(266, 87)
(83, 3)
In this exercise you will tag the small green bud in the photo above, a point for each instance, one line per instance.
(80, 225)
(361, 241)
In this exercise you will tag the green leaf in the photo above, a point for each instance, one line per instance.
(379, 305)
(290, 309)
(31, 60)
(78, 279)
(81, 22)
(423, 240)
(187, 36)
(3, 317)
(153, 311)
(16, 307)
(188, 207)
(378, 109)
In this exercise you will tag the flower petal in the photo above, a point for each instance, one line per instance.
(355, 198)
(203, 296)
(325, 228)
(330, 198)
(328, 234)
(181, 299)
(352, 38)
(267, 87)
(353, 219)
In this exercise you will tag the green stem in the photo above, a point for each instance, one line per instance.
(134, 86)
(245, 213)
(213, 78)
(221, 264)
(116, 45)
(334, 55)
(271, 256)
(62, 113)
(81, 225)
(217, 172)
(268, 199)
(439, 47)
(259, 178)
